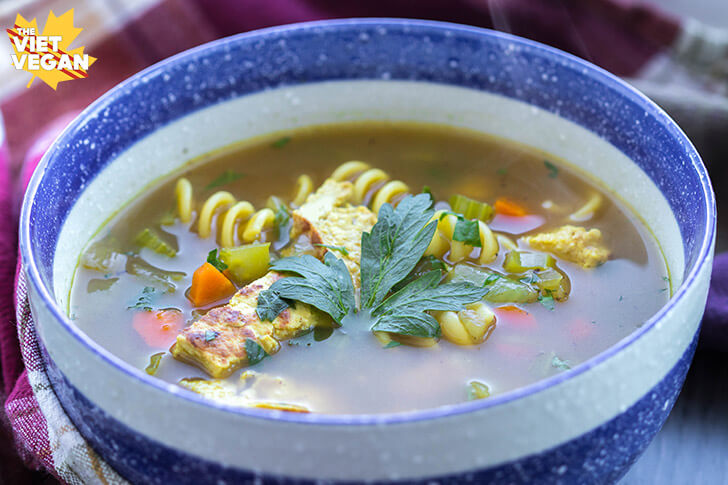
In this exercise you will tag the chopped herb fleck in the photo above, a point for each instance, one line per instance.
(282, 217)
(560, 363)
(154, 361)
(502, 171)
(621, 298)
(228, 176)
(492, 277)
(340, 249)
(467, 232)
(553, 169)
(210, 335)
(215, 261)
(547, 300)
(254, 351)
(144, 301)
(281, 142)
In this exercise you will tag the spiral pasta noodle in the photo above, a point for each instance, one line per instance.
(232, 213)
(470, 326)
(370, 183)
(443, 240)
(302, 189)
(588, 210)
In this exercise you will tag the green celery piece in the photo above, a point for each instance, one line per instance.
(500, 288)
(248, 262)
(156, 277)
(522, 261)
(148, 238)
(471, 208)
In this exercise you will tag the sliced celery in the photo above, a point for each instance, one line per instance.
(104, 256)
(148, 238)
(522, 261)
(502, 289)
(470, 274)
(157, 277)
(470, 208)
(506, 290)
(246, 263)
(548, 279)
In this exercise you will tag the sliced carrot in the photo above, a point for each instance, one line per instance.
(512, 315)
(209, 285)
(158, 328)
(509, 208)
(512, 309)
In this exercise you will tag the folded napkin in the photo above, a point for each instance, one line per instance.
(627, 38)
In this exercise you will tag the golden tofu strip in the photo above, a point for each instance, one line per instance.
(216, 341)
(572, 243)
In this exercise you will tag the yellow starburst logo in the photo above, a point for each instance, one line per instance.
(47, 55)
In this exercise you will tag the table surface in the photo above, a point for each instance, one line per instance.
(692, 447)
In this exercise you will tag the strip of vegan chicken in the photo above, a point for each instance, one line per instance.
(216, 341)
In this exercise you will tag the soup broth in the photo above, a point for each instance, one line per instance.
(571, 301)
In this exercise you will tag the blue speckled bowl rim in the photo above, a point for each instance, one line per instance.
(588, 70)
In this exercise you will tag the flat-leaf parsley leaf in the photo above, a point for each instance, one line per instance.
(326, 286)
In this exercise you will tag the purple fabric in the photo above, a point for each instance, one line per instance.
(618, 35)
(714, 333)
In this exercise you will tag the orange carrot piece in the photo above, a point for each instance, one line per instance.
(209, 285)
(513, 309)
(158, 328)
(512, 315)
(507, 207)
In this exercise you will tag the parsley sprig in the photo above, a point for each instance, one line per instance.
(389, 254)
(326, 286)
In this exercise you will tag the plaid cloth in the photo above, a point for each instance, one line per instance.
(46, 436)
(648, 45)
